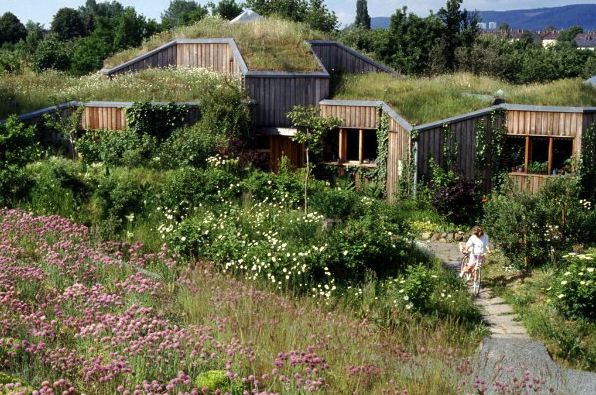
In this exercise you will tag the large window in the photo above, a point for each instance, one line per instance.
(353, 146)
(539, 155)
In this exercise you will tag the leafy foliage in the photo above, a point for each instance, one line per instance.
(158, 120)
(11, 29)
(574, 291)
(362, 16)
(67, 24)
(182, 12)
(313, 12)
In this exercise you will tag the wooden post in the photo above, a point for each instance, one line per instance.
(343, 149)
(528, 153)
(550, 155)
(360, 146)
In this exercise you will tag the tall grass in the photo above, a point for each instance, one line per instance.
(422, 100)
(31, 91)
(269, 44)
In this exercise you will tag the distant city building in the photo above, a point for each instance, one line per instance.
(482, 25)
(549, 38)
(492, 25)
(586, 40)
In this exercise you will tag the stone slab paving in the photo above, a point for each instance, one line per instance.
(509, 352)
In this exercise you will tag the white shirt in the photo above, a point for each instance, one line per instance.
(478, 244)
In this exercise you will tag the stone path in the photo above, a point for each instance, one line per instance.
(498, 316)
(508, 355)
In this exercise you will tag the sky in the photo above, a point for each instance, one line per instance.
(42, 11)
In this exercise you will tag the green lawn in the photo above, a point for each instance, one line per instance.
(422, 100)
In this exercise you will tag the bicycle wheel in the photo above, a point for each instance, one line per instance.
(476, 286)
(464, 261)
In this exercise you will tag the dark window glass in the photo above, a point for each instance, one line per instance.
(369, 146)
(352, 145)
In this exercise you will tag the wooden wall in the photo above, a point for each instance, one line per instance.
(163, 57)
(283, 145)
(358, 117)
(274, 95)
(398, 157)
(106, 117)
(339, 58)
(543, 123)
(215, 56)
(431, 143)
(530, 183)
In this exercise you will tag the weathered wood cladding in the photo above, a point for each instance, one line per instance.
(359, 117)
(367, 115)
(530, 182)
(284, 146)
(397, 158)
(213, 56)
(431, 142)
(336, 57)
(106, 117)
(275, 95)
(164, 57)
(544, 123)
(218, 55)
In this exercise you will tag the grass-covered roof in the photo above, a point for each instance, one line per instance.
(266, 45)
(20, 94)
(423, 100)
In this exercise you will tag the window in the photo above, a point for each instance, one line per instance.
(353, 146)
(538, 154)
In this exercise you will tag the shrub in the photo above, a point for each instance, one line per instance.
(413, 289)
(336, 203)
(120, 194)
(158, 120)
(59, 187)
(117, 148)
(458, 201)
(574, 290)
(285, 188)
(214, 380)
(533, 229)
(188, 146)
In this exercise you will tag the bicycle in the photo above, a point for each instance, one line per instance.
(475, 275)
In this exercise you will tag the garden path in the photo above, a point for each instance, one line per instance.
(508, 355)
(498, 315)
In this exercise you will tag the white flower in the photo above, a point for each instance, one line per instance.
(561, 296)
(563, 282)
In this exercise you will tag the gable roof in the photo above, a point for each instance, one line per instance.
(586, 40)
(247, 16)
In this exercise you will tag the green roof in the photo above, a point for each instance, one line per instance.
(423, 100)
(266, 45)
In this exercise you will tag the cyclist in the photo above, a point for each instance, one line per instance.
(477, 246)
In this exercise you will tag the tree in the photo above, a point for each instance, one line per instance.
(52, 53)
(312, 128)
(181, 13)
(294, 10)
(227, 9)
(130, 30)
(88, 54)
(319, 17)
(362, 17)
(67, 24)
(568, 35)
(11, 29)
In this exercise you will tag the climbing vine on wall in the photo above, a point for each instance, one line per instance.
(380, 172)
(405, 187)
(450, 148)
(490, 147)
(157, 120)
(587, 164)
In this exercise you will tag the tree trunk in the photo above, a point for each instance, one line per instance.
(306, 182)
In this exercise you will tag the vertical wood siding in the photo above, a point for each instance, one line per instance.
(114, 118)
(213, 56)
(274, 96)
(338, 58)
(283, 145)
(359, 117)
(531, 183)
(543, 123)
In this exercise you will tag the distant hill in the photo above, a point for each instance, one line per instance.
(533, 19)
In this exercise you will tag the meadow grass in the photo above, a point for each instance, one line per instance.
(269, 44)
(417, 354)
(421, 100)
(570, 342)
(31, 91)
